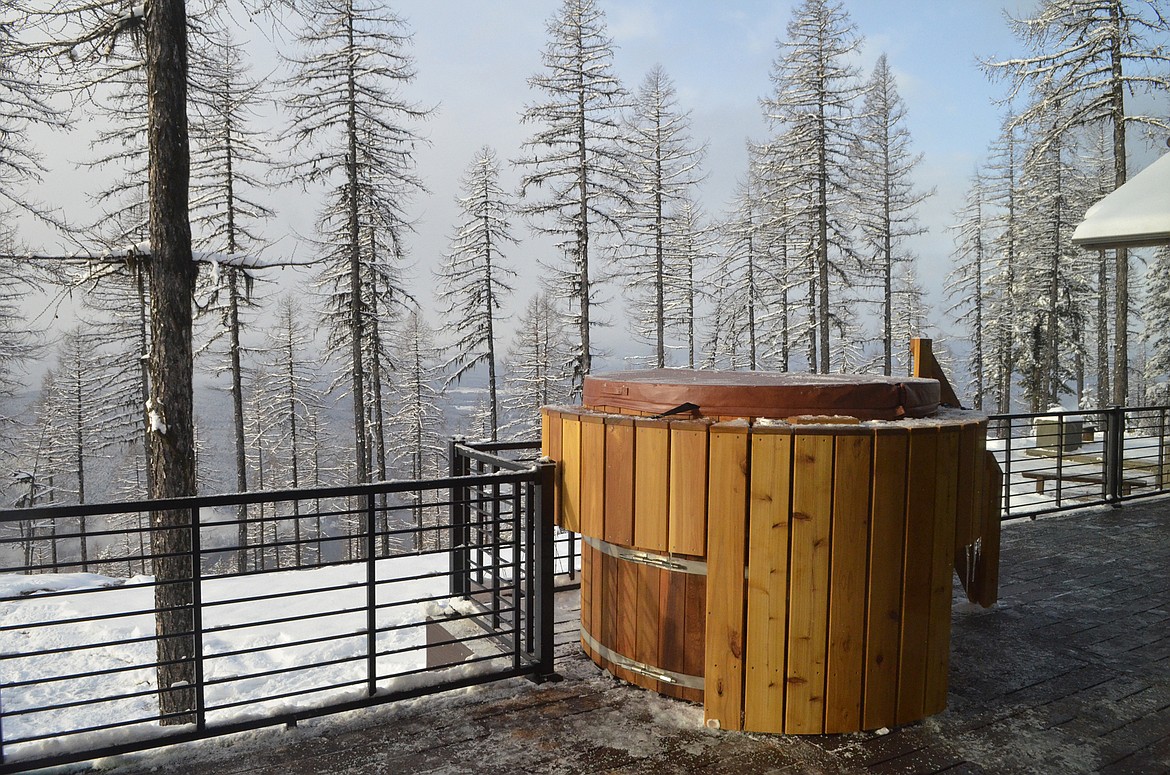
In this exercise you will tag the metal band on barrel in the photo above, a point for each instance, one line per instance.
(663, 561)
(654, 673)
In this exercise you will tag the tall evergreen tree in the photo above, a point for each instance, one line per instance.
(814, 102)
(351, 125)
(1001, 176)
(664, 169)
(574, 156)
(887, 202)
(539, 367)
(968, 286)
(475, 275)
(1085, 57)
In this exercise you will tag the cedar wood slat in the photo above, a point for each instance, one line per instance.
(808, 600)
(884, 614)
(687, 524)
(850, 544)
(727, 525)
(652, 471)
(767, 604)
(619, 482)
(918, 568)
(938, 649)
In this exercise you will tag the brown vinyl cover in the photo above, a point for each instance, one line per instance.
(762, 394)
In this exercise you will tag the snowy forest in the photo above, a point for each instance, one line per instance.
(350, 373)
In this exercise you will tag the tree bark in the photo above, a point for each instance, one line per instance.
(1121, 270)
(172, 443)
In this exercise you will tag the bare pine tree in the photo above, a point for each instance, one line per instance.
(1053, 321)
(292, 397)
(574, 157)
(80, 34)
(226, 209)
(692, 247)
(419, 415)
(1086, 56)
(475, 275)
(814, 104)
(1001, 177)
(350, 125)
(887, 202)
(664, 169)
(539, 368)
(968, 287)
(23, 106)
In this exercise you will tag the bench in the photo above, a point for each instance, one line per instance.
(1042, 476)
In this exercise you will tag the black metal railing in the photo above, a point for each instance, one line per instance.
(295, 604)
(1055, 461)
(467, 458)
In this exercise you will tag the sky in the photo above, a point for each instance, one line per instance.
(473, 60)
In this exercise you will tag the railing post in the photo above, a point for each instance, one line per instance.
(457, 519)
(1007, 468)
(1160, 479)
(371, 601)
(1059, 458)
(1114, 455)
(197, 620)
(517, 547)
(1, 727)
(543, 604)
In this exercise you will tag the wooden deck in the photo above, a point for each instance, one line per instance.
(1069, 673)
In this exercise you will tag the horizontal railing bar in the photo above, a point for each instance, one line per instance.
(333, 687)
(484, 457)
(212, 655)
(520, 474)
(190, 733)
(209, 682)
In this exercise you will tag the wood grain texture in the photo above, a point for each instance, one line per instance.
(593, 476)
(571, 473)
(987, 562)
(651, 493)
(938, 647)
(883, 627)
(918, 559)
(646, 648)
(727, 526)
(587, 566)
(808, 599)
(767, 581)
(848, 582)
(672, 597)
(619, 482)
(688, 488)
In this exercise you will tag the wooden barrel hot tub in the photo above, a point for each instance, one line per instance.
(779, 547)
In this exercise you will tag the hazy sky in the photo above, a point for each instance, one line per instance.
(474, 57)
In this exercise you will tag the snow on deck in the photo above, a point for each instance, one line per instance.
(1070, 673)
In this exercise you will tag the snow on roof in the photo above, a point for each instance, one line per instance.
(1137, 214)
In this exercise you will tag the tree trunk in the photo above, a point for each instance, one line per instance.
(238, 418)
(1121, 276)
(172, 448)
(356, 320)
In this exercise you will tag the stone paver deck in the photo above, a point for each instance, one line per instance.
(1069, 673)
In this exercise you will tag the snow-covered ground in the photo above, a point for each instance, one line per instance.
(262, 657)
(1142, 458)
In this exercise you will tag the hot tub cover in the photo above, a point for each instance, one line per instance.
(763, 394)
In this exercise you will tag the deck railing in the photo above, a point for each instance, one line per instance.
(307, 602)
(299, 603)
(1055, 461)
